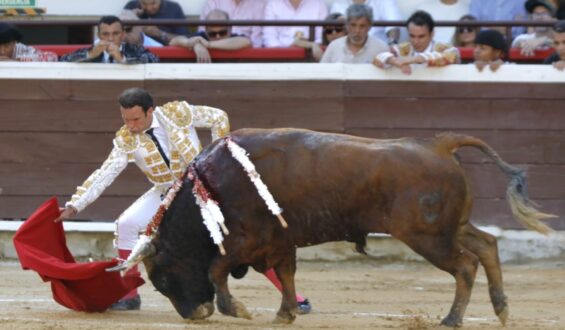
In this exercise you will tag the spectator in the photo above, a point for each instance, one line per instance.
(332, 32)
(357, 46)
(445, 10)
(148, 9)
(421, 49)
(490, 49)
(557, 59)
(383, 10)
(240, 10)
(111, 48)
(329, 34)
(284, 36)
(500, 10)
(134, 34)
(540, 37)
(465, 35)
(217, 37)
(11, 49)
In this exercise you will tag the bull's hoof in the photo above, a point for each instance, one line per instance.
(503, 316)
(283, 320)
(203, 311)
(239, 310)
(452, 322)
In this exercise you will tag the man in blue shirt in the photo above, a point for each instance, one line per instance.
(153, 9)
(500, 10)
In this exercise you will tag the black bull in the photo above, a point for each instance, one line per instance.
(332, 188)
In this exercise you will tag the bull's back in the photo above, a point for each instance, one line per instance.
(337, 187)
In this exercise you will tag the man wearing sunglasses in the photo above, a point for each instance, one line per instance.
(215, 37)
(111, 48)
(240, 10)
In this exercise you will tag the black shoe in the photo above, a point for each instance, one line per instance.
(304, 307)
(132, 304)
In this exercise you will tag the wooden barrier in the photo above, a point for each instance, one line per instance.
(57, 120)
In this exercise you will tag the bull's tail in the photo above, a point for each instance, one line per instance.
(523, 209)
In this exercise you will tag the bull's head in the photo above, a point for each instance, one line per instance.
(182, 279)
(178, 258)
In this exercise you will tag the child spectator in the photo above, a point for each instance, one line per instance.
(490, 49)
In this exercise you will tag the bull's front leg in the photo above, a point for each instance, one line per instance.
(285, 272)
(226, 303)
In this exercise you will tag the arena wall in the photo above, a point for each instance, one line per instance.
(57, 120)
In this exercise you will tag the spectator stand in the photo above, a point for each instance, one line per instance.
(291, 54)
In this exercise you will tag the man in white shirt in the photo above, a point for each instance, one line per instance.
(284, 36)
(445, 10)
(383, 10)
(357, 46)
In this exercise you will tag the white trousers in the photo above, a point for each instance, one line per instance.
(136, 218)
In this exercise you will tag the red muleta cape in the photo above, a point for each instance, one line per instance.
(41, 246)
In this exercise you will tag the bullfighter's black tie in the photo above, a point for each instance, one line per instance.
(161, 151)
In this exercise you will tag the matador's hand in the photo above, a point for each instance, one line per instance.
(66, 213)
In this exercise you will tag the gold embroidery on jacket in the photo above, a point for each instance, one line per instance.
(178, 113)
(126, 141)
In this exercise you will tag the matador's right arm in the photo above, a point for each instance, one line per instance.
(99, 180)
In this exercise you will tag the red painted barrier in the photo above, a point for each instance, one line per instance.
(180, 54)
(293, 54)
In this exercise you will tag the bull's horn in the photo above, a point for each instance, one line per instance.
(143, 249)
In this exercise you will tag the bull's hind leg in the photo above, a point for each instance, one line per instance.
(485, 247)
(285, 272)
(226, 303)
(448, 255)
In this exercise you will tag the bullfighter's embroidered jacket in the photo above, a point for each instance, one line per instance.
(179, 120)
(437, 54)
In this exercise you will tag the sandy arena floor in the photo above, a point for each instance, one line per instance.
(347, 295)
